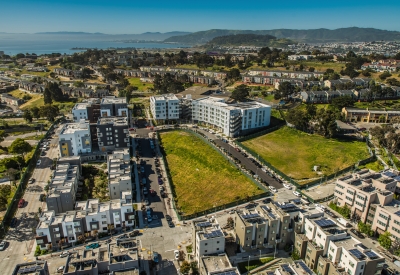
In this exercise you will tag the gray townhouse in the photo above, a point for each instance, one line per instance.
(112, 133)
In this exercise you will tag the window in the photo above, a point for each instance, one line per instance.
(205, 251)
(217, 241)
(103, 216)
(351, 264)
(206, 244)
(217, 248)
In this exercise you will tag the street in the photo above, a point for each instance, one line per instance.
(21, 241)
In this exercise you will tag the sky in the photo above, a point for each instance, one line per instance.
(138, 16)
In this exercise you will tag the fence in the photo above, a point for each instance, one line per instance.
(23, 182)
(214, 209)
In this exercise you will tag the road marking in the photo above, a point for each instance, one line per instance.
(169, 250)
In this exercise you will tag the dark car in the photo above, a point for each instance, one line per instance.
(171, 224)
(357, 233)
(160, 181)
(14, 222)
(168, 218)
(134, 233)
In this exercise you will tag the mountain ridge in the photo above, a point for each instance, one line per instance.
(351, 34)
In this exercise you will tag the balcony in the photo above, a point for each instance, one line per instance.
(290, 229)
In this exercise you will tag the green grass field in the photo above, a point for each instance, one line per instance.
(295, 153)
(202, 178)
(134, 81)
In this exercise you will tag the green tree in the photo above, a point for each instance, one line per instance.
(128, 96)
(47, 96)
(3, 134)
(295, 255)
(35, 112)
(385, 75)
(311, 69)
(342, 101)
(79, 84)
(55, 91)
(284, 91)
(27, 115)
(195, 269)
(50, 112)
(185, 267)
(299, 118)
(365, 228)
(326, 123)
(240, 93)
(20, 146)
(384, 240)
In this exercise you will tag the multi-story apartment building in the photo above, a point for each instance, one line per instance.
(232, 119)
(209, 238)
(64, 185)
(364, 191)
(89, 218)
(371, 116)
(119, 173)
(75, 139)
(114, 106)
(266, 226)
(32, 268)
(112, 133)
(217, 265)
(80, 111)
(164, 107)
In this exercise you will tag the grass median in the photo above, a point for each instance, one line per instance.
(201, 176)
(295, 153)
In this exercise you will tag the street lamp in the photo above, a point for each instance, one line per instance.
(248, 263)
(275, 249)
(260, 253)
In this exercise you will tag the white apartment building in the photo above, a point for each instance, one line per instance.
(232, 119)
(209, 238)
(88, 218)
(75, 139)
(164, 107)
(79, 112)
(119, 173)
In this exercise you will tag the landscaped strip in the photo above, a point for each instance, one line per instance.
(295, 153)
(202, 178)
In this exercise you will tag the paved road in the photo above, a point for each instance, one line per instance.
(21, 242)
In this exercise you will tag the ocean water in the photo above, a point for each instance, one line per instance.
(43, 44)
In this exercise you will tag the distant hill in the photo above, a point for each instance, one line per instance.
(248, 40)
(352, 34)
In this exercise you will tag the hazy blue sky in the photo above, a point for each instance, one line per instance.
(137, 16)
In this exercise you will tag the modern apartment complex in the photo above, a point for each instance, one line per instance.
(75, 139)
(164, 107)
(371, 116)
(217, 265)
(64, 185)
(232, 119)
(119, 173)
(114, 106)
(112, 133)
(209, 238)
(369, 195)
(32, 268)
(89, 218)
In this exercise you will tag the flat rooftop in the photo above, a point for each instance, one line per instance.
(113, 120)
(113, 100)
(165, 97)
(80, 106)
(71, 128)
(219, 263)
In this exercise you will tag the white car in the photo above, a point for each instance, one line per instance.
(287, 186)
(60, 269)
(176, 253)
(38, 162)
(297, 194)
(64, 254)
(273, 189)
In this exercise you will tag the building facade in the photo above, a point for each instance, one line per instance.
(119, 173)
(164, 107)
(112, 133)
(75, 139)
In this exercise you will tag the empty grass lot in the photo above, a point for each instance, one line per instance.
(202, 178)
(142, 86)
(295, 153)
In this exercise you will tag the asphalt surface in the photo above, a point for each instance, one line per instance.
(245, 161)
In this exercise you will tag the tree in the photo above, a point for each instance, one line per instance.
(185, 267)
(365, 228)
(128, 96)
(20, 146)
(295, 255)
(284, 91)
(2, 135)
(384, 75)
(35, 112)
(47, 96)
(55, 91)
(342, 101)
(50, 112)
(79, 84)
(326, 123)
(27, 115)
(195, 269)
(384, 240)
(299, 118)
(311, 69)
(181, 256)
(240, 93)
(230, 222)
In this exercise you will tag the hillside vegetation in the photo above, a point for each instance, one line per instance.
(352, 34)
(248, 39)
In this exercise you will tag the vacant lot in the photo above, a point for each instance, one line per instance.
(134, 81)
(295, 153)
(201, 176)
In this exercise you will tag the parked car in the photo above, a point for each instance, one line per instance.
(145, 191)
(171, 224)
(273, 189)
(38, 162)
(149, 219)
(21, 203)
(64, 254)
(237, 149)
(287, 186)
(31, 180)
(60, 269)
(152, 192)
(168, 218)
(160, 181)
(161, 188)
(330, 213)
(176, 253)
(146, 202)
(92, 246)
(3, 245)
(357, 233)
(141, 169)
(14, 222)
(343, 222)
(296, 194)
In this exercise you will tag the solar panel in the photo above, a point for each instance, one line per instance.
(397, 213)
(271, 215)
(288, 205)
(305, 268)
(325, 223)
(230, 272)
(287, 268)
(357, 253)
(371, 255)
(397, 178)
(213, 234)
(204, 224)
(389, 174)
(250, 216)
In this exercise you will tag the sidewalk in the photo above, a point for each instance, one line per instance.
(138, 198)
